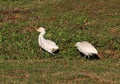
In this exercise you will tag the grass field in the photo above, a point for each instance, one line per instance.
(66, 21)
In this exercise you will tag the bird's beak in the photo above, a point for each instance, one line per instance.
(37, 29)
(75, 45)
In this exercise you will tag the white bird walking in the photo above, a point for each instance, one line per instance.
(87, 49)
(46, 44)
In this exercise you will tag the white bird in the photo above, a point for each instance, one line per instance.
(87, 49)
(46, 44)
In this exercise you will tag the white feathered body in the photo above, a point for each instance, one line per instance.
(48, 45)
(86, 48)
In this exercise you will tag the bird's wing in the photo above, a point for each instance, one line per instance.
(49, 45)
(87, 48)
(50, 42)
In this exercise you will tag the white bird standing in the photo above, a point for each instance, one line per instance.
(87, 49)
(46, 44)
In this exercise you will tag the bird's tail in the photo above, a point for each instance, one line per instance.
(100, 57)
(95, 56)
(55, 50)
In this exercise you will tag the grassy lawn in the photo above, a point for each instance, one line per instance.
(66, 21)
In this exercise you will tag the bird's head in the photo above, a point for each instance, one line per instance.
(41, 29)
(77, 44)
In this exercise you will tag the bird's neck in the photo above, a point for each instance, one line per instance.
(41, 36)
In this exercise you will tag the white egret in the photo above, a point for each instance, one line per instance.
(87, 49)
(46, 44)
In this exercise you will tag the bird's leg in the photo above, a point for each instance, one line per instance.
(53, 54)
(88, 56)
(53, 50)
(85, 57)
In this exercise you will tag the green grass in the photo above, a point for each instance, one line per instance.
(66, 22)
(60, 71)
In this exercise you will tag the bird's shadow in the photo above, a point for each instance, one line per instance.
(90, 57)
(54, 53)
